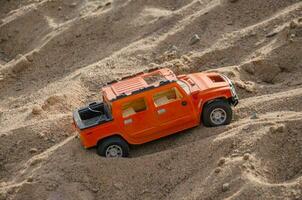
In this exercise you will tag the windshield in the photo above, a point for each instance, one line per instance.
(184, 86)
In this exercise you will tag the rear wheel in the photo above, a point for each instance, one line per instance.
(217, 113)
(113, 147)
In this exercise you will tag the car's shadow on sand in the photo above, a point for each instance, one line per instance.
(174, 141)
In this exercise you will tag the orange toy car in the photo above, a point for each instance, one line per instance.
(148, 106)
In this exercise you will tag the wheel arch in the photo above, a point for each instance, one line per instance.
(116, 135)
(214, 99)
(208, 101)
(219, 101)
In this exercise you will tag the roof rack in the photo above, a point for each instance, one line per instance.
(133, 75)
(143, 89)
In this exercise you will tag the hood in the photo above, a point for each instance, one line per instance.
(206, 81)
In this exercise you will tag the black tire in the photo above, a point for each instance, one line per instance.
(105, 144)
(217, 105)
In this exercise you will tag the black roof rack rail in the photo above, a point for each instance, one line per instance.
(166, 82)
(143, 89)
(121, 96)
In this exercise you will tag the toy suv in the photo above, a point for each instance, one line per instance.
(147, 106)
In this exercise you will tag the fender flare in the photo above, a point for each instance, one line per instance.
(207, 101)
(110, 136)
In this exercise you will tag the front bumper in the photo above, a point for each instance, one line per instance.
(234, 101)
(234, 98)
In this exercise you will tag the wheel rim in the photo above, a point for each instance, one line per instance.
(114, 151)
(218, 116)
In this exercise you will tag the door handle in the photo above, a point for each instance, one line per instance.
(161, 111)
(184, 103)
(128, 121)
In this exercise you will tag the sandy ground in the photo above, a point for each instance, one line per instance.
(55, 55)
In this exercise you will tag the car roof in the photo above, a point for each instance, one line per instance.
(138, 83)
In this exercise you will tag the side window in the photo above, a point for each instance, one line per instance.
(133, 107)
(166, 96)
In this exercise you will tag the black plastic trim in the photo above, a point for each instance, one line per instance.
(110, 82)
(234, 101)
(121, 96)
(166, 82)
(143, 89)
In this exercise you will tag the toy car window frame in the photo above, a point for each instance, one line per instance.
(127, 106)
(159, 95)
(184, 86)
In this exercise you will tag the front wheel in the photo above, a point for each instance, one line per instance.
(113, 147)
(217, 113)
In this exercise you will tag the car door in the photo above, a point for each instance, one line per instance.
(138, 121)
(173, 110)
